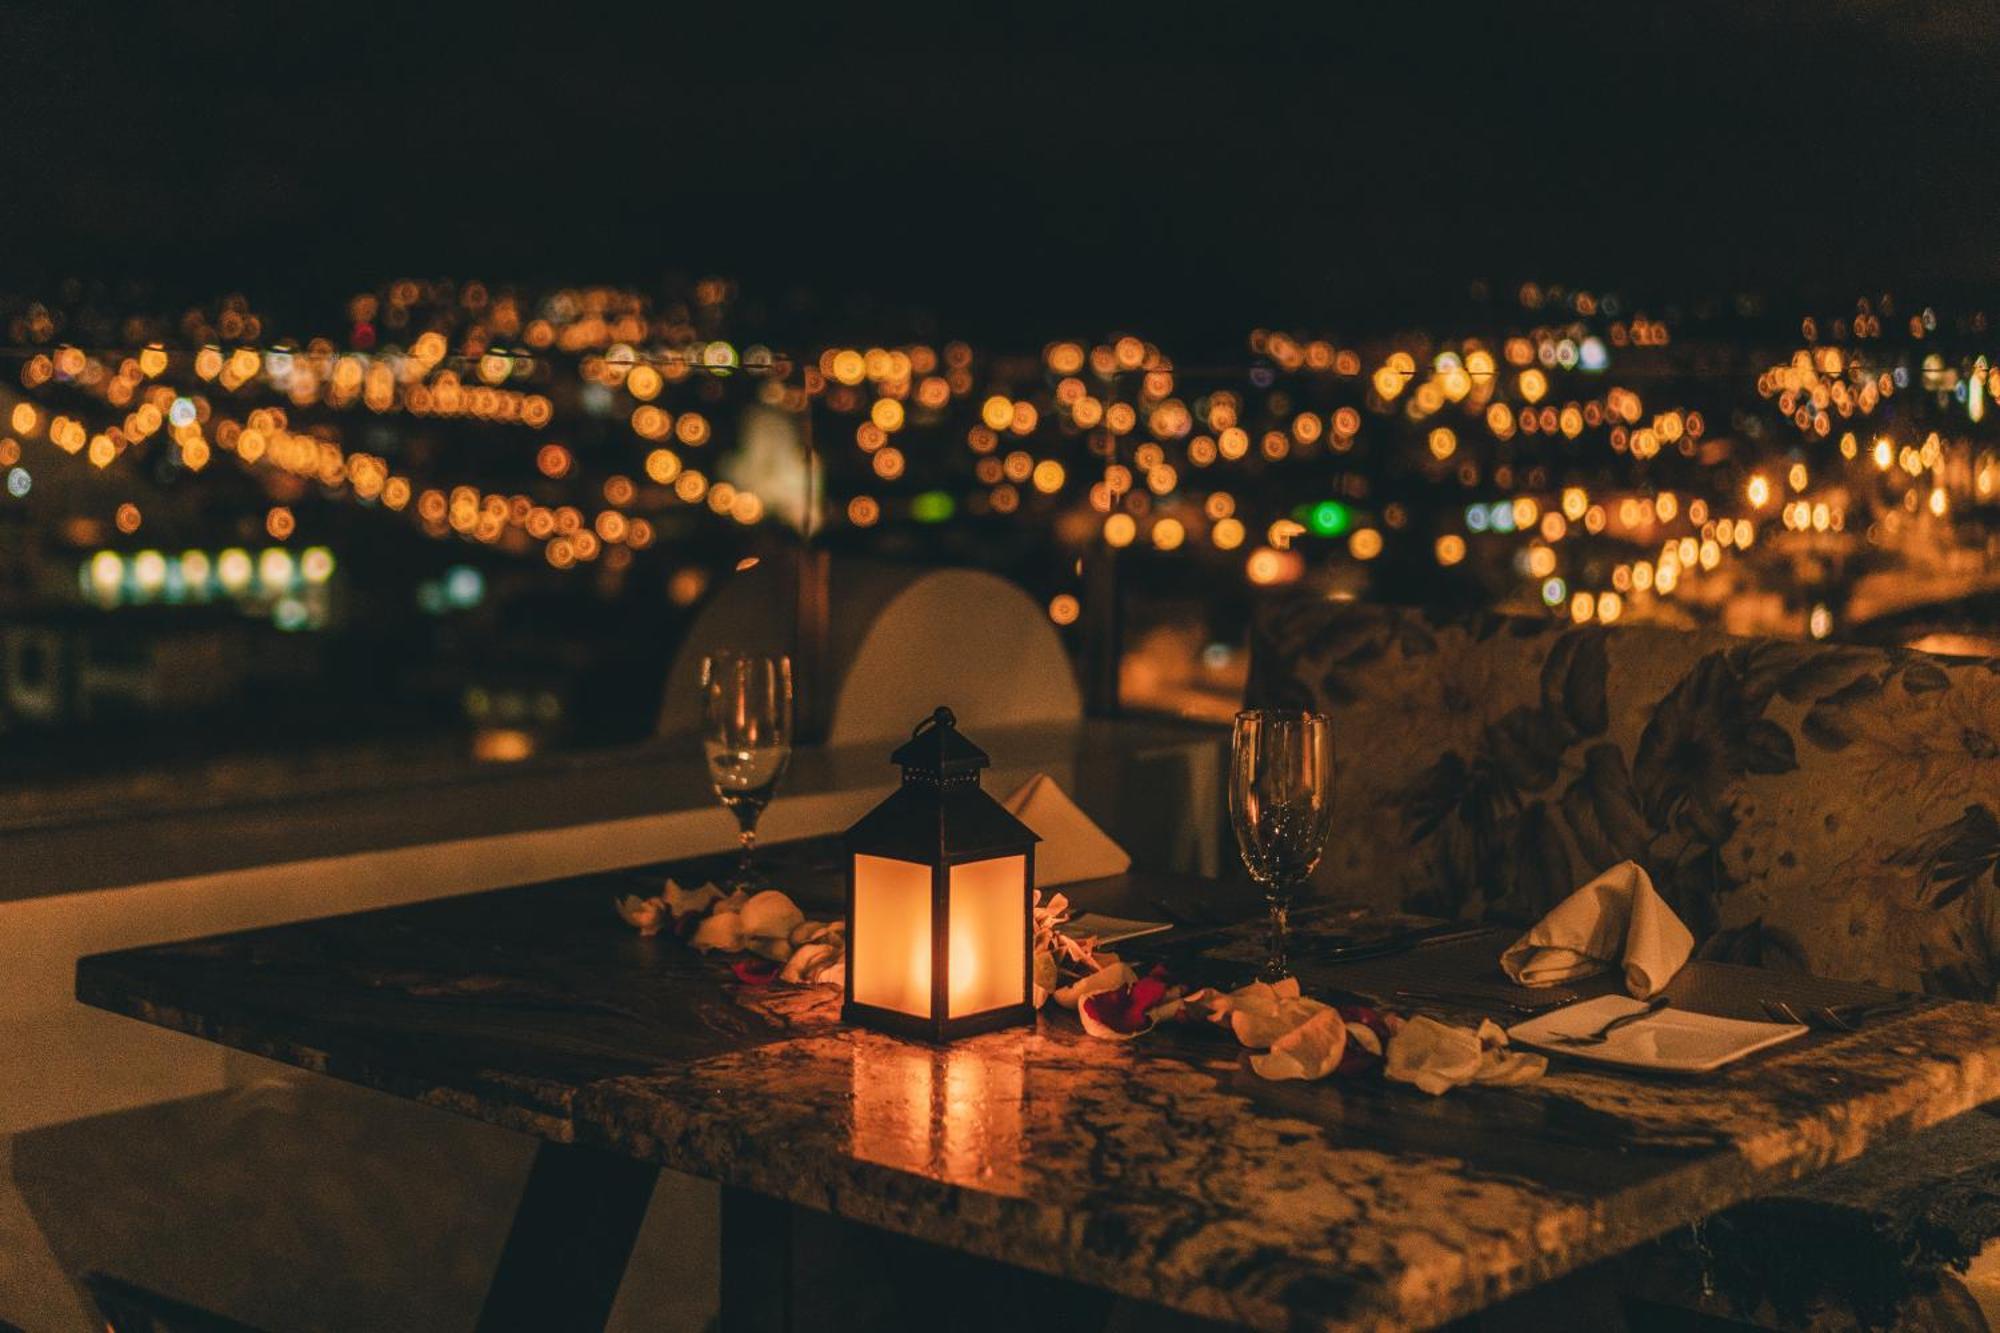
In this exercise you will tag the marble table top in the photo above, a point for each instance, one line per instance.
(1162, 1169)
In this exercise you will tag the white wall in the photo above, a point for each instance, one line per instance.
(60, 1060)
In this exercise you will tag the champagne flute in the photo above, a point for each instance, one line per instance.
(1281, 802)
(747, 738)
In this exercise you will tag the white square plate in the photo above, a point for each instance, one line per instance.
(1672, 1040)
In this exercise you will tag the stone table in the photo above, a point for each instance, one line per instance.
(1160, 1169)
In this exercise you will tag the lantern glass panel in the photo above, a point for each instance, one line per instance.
(892, 925)
(989, 935)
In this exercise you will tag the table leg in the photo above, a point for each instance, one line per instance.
(783, 1265)
(757, 1278)
(572, 1235)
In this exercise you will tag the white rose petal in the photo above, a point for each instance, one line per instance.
(1311, 1050)
(771, 914)
(1260, 996)
(1045, 977)
(811, 932)
(774, 947)
(719, 930)
(646, 913)
(1109, 978)
(682, 901)
(807, 962)
(1433, 1055)
(1506, 1069)
(1259, 1029)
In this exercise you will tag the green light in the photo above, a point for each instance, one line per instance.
(932, 507)
(1329, 518)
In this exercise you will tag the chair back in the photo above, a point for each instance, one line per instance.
(1829, 807)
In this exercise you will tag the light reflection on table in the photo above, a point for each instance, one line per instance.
(953, 1112)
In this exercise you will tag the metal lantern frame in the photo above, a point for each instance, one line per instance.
(940, 818)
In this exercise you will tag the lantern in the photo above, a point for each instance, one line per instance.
(940, 899)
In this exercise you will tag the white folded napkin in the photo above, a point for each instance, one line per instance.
(1616, 920)
(1072, 847)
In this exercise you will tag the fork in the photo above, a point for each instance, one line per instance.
(1603, 1034)
(1780, 1012)
(1847, 1018)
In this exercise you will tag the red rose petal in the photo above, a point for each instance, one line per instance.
(1359, 1057)
(1125, 1009)
(756, 971)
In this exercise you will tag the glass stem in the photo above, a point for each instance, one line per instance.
(1277, 966)
(746, 838)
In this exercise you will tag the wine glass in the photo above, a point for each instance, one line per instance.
(747, 737)
(1281, 802)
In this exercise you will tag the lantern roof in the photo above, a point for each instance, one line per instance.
(940, 810)
(930, 823)
(937, 749)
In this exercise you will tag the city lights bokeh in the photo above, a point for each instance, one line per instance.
(1562, 455)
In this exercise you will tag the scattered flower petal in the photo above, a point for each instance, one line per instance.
(1046, 977)
(768, 925)
(1124, 1012)
(812, 932)
(648, 914)
(1200, 1002)
(688, 902)
(1368, 1034)
(807, 962)
(770, 914)
(719, 931)
(774, 947)
(1260, 1013)
(754, 971)
(1506, 1069)
(1311, 1050)
(1434, 1056)
(1050, 914)
(1106, 978)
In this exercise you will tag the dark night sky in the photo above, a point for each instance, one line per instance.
(1011, 169)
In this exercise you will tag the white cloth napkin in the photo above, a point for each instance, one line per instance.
(1072, 847)
(1616, 920)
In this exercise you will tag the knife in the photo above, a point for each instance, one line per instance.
(1423, 937)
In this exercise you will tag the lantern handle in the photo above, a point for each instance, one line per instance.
(941, 718)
